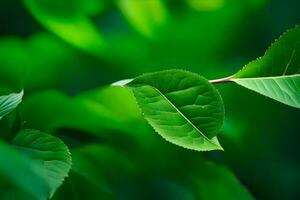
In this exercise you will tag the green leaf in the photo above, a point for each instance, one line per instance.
(77, 187)
(21, 172)
(216, 182)
(145, 16)
(36, 163)
(183, 107)
(205, 5)
(94, 174)
(9, 102)
(277, 73)
(52, 154)
(82, 113)
(68, 19)
(98, 164)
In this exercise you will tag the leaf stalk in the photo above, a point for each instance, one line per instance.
(221, 80)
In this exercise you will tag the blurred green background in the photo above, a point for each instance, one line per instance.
(65, 53)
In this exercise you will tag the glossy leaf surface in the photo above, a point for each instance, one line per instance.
(183, 107)
(277, 73)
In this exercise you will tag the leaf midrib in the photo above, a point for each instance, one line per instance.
(206, 138)
(266, 77)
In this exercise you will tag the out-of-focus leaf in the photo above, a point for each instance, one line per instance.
(183, 107)
(32, 63)
(217, 182)
(90, 113)
(203, 180)
(9, 102)
(205, 5)
(36, 163)
(98, 164)
(68, 19)
(277, 73)
(22, 172)
(200, 48)
(45, 61)
(78, 187)
(52, 110)
(145, 16)
(97, 170)
(116, 96)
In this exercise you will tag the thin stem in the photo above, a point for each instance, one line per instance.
(221, 80)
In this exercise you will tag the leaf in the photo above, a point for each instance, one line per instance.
(203, 180)
(183, 107)
(205, 5)
(9, 103)
(36, 162)
(52, 154)
(94, 174)
(69, 20)
(82, 113)
(216, 182)
(145, 16)
(22, 172)
(199, 180)
(98, 164)
(277, 73)
(77, 187)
